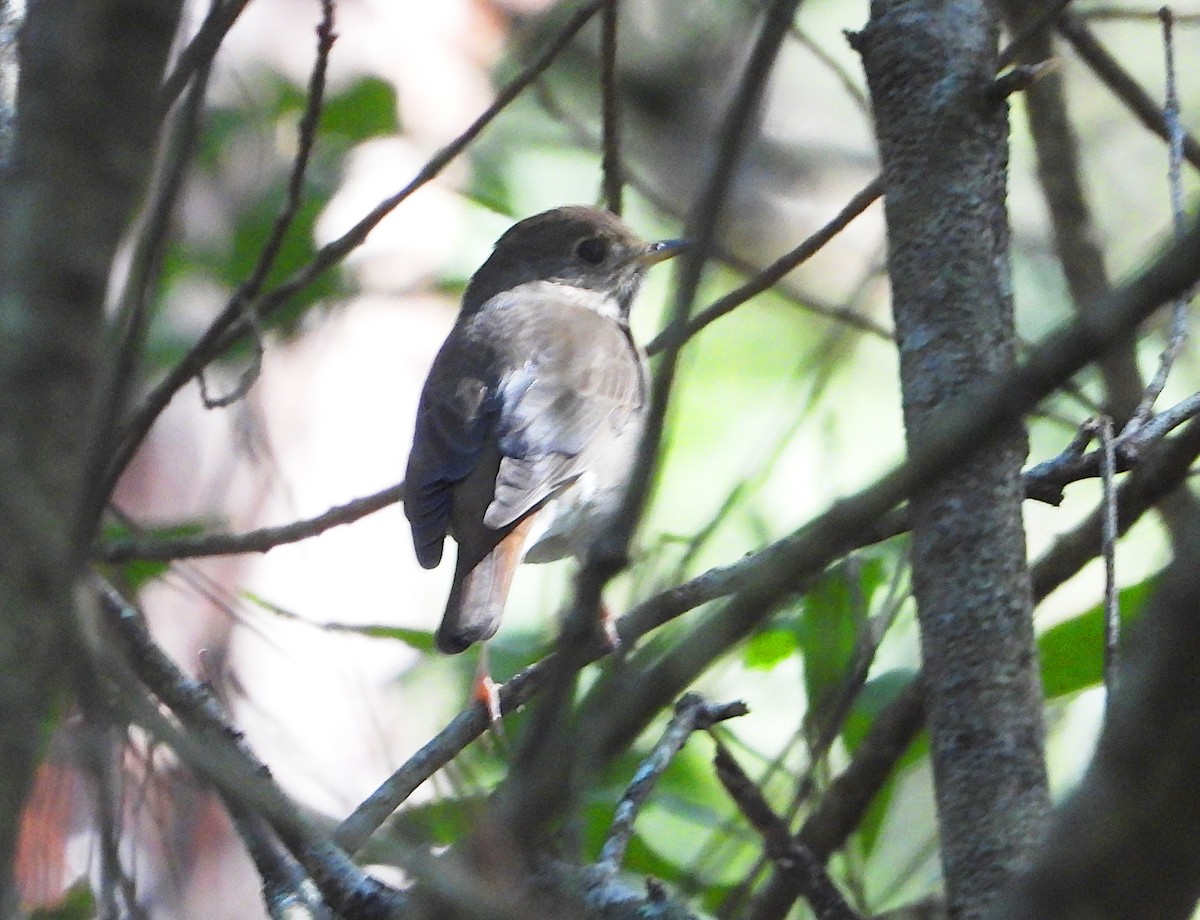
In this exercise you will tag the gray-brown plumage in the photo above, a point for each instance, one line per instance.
(532, 411)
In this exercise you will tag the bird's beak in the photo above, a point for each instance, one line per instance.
(661, 251)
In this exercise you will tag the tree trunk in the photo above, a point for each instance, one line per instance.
(87, 112)
(943, 141)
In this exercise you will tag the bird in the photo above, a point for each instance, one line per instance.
(530, 418)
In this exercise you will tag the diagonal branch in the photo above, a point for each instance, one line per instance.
(1119, 81)
(255, 541)
(225, 330)
(803, 868)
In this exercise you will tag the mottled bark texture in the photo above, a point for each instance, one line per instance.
(943, 141)
(87, 112)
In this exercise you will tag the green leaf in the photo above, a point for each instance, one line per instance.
(439, 822)
(876, 696)
(365, 110)
(419, 639)
(827, 631)
(1072, 652)
(488, 186)
(78, 903)
(137, 573)
(768, 648)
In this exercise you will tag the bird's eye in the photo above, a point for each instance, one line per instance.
(592, 249)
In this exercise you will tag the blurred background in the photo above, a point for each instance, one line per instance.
(322, 650)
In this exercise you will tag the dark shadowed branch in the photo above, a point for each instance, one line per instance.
(803, 868)
(81, 152)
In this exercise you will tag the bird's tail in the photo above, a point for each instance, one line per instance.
(478, 593)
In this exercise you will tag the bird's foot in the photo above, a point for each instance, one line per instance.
(486, 691)
(608, 629)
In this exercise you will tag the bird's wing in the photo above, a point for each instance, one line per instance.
(583, 379)
(451, 433)
(521, 388)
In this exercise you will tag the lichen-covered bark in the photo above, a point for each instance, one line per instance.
(87, 113)
(943, 142)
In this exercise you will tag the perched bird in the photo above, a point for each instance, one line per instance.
(530, 417)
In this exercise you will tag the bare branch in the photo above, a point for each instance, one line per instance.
(200, 52)
(1108, 546)
(1118, 79)
(1136, 14)
(1179, 319)
(674, 336)
(215, 749)
(802, 867)
(610, 162)
(1045, 481)
(692, 713)
(255, 541)
(224, 330)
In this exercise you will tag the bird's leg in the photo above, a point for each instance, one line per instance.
(607, 622)
(484, 690)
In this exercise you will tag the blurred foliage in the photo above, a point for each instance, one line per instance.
(777, 412)
(77, 903)
(243, 164)
(1072, 651)
(137, 573)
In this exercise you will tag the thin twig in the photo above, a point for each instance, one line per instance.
(1047, 16)
(1179, 311)
(145, 268)
(199, 53)
(692, 713)
(1019, 77)
(675, 335)
(217, 750)
(288, 893)
(610, 108)
(796, 861)
(1120, 82)
(249, 289)
(806, 300)
(1108, 547)
(870, 636)
(1171, 115)
(255, 541)
(1161, 472)
(834, 66)
(464, 728)
(1045, 481)
(221, 333)
(1123, 13)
